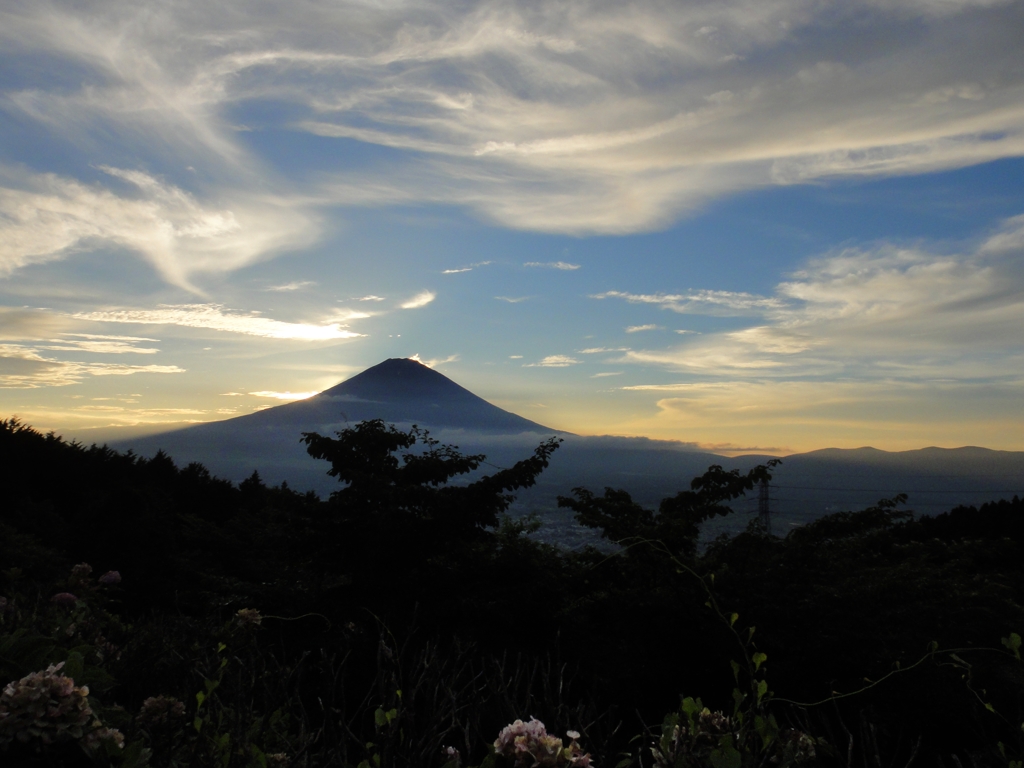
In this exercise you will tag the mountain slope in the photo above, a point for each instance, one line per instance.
(399, 391)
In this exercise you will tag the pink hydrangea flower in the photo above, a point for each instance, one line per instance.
(529, 745)
(64, 598)
(110, 578)
(47, 707)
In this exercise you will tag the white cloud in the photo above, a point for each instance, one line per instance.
(570, 117)
(344, 315)
(554, 361)
(647, 327)
(468, 268)
(436, 361)
(606, 374)
(886, 313)
(46, 217)
(421, 299)
(512, 299)
(563, 265)
(370, 298)
(24, 323)
(294, 286)
(706, 302)
(283, 395)
(97, 346)
(215, 317)
(24, 367)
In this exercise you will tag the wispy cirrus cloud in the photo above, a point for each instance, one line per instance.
(561, 265)
(289, 396)
(45, 217)
(645, 327)
(554, 361)
(884, 313)
(421, 299)
(598, 350)
(216, 317)
(539, 118)
(104, 345)
(467, 268)
(704, 302)
(25, 367)
(296, 285)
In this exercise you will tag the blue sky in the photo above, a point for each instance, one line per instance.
(777, 225)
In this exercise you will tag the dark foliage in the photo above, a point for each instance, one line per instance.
(407, 612)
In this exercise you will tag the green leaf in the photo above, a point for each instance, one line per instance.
(624, 762)
(733, 619)
(759, 659)
(735, 670)
(691, 707)
(135, 755)
(737, 698)
(379, 718)
(726, 757)
(74, 667)
(762, 689)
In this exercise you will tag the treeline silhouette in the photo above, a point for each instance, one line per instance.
(257, 625)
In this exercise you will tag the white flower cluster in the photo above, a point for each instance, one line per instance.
(47, 707)
(529, 745)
